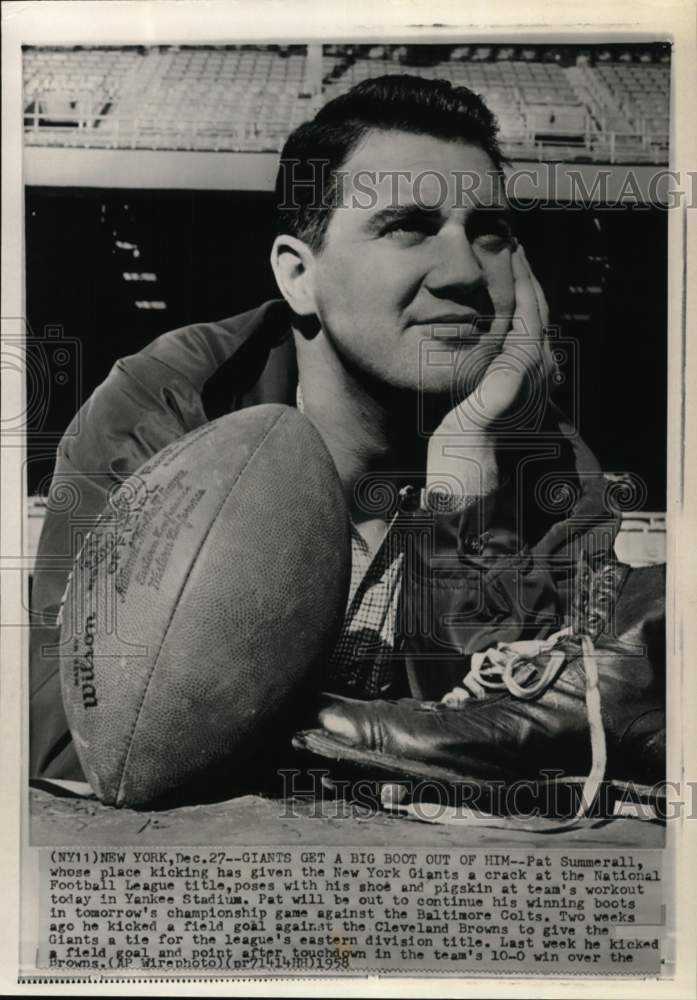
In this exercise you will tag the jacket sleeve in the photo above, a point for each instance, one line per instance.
(141, 407)
(147, 401)
(472, 580)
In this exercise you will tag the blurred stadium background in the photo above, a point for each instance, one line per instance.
(603, 106)
(148, 205)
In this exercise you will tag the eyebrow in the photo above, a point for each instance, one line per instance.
(502, 212)
(403, 213)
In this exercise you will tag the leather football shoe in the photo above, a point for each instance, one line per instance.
(564, 705)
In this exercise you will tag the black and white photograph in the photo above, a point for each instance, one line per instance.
(346, 482)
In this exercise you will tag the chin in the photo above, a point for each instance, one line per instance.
(453, 368)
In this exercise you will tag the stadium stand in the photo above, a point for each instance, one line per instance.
(74, 88)
(172, 99)
(529, 100)
(642, 95)
(628, 108)
(555, 105)
(248, 98)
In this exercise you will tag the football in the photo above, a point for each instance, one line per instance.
(203, 605)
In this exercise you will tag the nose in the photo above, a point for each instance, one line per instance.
(456, 271)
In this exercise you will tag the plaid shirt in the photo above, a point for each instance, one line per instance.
(361, 665)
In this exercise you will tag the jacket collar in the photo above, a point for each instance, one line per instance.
(260, 366)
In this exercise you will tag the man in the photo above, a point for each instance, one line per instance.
(418, 351)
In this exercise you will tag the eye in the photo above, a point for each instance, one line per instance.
(492, 243)
(490, 232)
(412, 229)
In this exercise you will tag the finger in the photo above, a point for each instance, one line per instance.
(521, 356)
(549, 365)
(501, 321)
(527, 325)
(542, 306)
(525, 353)
(526, 320)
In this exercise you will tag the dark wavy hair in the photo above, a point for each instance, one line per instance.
(317, 149)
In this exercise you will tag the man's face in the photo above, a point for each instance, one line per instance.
(413, 268)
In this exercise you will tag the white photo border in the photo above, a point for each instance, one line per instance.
(143, 22)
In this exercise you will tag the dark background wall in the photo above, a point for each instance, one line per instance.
(604, 272)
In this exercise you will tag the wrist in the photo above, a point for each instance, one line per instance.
(462, 466)
(440, 499)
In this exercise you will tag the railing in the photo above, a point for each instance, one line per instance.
(143, 131)
(599, 147)
(109, 131)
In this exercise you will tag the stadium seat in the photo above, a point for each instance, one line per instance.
(250, 98)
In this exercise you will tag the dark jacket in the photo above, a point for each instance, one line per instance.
(502, 570)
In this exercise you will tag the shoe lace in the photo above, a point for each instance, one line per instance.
(526, 669)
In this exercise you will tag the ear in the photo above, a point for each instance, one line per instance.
(293, 262)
